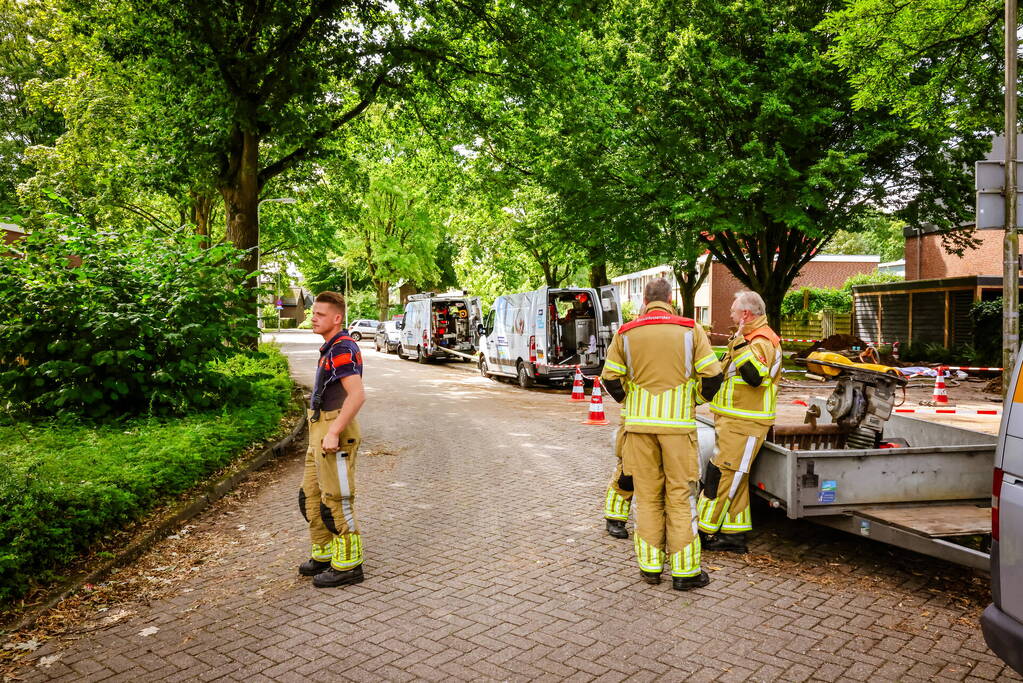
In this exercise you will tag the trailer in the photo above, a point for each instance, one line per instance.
(927, 488)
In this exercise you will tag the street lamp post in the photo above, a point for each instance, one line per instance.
(259, 243)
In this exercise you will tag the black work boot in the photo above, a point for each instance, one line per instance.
(732, 543)
(616, 528)
(688, 583)
(331, 578)
(650, 577)
(312, 567)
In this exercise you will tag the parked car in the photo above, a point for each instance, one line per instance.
(387, 337)
(363, 328)
(1002, 621)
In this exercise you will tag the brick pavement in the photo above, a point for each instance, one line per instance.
(486, 559)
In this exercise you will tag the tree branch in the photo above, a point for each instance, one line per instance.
(301, 152)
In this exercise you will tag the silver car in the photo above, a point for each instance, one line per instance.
(362, 328)
(1002, 621)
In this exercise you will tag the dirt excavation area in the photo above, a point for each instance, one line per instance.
(481, 510)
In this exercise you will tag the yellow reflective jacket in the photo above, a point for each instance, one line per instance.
(738, 399)
(659, 363)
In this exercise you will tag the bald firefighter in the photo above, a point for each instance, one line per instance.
(655, 365)
(744, 410)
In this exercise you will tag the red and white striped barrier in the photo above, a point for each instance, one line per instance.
(808, 341)
(950, 411)
(964, 368)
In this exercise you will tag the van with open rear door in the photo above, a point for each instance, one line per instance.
(440, 326)
(544, 334)
(1002, 621)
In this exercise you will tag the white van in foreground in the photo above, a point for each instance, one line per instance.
(544, 334)
(434, 324)
(1002, 621)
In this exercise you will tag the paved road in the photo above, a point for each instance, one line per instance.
(480, 506)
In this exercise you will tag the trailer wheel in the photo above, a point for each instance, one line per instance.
(420, 356)
(525, 381)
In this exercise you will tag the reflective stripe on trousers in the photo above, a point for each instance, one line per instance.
(616, 507)
(686, 562)
(650, 558)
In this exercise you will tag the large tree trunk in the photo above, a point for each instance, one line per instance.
(240, 190)
(383, 299)
(598, 275)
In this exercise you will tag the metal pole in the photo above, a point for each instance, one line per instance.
(1010, 275)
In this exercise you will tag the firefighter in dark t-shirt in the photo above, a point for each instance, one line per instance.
(327, 496)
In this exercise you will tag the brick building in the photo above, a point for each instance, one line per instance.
(823, 271)
(714, 299)
(11, 232)
(927, 260)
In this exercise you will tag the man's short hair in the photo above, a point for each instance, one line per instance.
(332, 298)
(657, 290)
(750, 301)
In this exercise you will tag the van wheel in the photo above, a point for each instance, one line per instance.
(357, 336)
(399, 352)
(525, 381)
(420, 356)
(485, 370)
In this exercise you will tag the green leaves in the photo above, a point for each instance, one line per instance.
(135, 328)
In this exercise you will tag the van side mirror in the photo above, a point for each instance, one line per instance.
(398, 324)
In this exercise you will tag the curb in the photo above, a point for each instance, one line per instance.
(202, 499)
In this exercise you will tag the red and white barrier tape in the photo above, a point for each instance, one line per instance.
(950, 411)
(971, 369)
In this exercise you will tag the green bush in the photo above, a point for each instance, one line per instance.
(101, 324)
(65, 484)
(872, 278)
(987, 331)
(819, 299)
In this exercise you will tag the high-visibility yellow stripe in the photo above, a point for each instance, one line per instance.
(705, 361)
(616, 366)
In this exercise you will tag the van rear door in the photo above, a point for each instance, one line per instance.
(610, 315)
(1008, 489)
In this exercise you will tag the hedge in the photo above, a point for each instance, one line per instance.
(64, 484)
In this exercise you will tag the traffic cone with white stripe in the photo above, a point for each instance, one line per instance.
(940, 395)
(596, 406)
(578, 390)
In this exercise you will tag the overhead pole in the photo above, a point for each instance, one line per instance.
(1010, 275)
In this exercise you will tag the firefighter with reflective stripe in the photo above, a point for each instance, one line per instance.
(618, 498)
(744, 410)
(656, 365)
(327, 496)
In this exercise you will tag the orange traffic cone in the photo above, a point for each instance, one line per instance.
(596, 406)
(940, 396)
(578, 390)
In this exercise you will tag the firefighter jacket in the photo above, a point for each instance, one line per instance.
(760, 348)
(659, 359)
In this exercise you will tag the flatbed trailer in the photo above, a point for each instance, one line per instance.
(932, 496)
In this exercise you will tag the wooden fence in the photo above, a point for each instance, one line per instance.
(816, 325)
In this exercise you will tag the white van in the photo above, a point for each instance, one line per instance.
(544, 334)
(1002, 621)
(434, 324)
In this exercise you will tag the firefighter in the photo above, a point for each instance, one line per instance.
(327, 496)
(618, 499)
(655, 366)
(744, 411)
